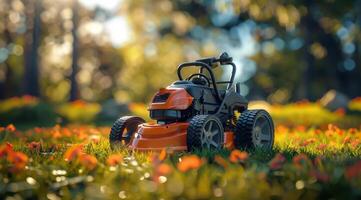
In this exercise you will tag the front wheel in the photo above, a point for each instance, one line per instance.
(205, 132)
(123, 130)
(254, 129)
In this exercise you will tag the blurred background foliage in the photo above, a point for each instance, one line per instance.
(71, 50)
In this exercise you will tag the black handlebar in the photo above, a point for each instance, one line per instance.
(223, 59)
(207, 63)
(203, 65)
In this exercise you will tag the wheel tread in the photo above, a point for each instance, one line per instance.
(195, 129)
(244, 126)
(115, 135)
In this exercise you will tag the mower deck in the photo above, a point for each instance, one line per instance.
(155, 137)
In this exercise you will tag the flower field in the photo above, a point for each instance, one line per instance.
(316, 155)
(75, 162)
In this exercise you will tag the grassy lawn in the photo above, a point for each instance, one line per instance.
(75, 162)
(317, 155)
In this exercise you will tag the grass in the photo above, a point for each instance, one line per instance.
(316, 155)
(75, 162)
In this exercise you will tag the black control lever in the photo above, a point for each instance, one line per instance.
(223, 59)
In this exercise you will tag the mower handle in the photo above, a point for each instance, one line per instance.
(224, 59)
(202, 65)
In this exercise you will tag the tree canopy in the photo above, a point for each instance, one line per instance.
(285, 50)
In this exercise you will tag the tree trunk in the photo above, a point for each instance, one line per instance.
(356, 73)
(7, 86)
(32, 40)
(311, 86)
(304, 87)
(74, 90)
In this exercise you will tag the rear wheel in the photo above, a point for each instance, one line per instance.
(254, 129)
(123, 130)
(205, 132)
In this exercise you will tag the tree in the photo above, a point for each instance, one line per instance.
(74, 90)
(6, 85)
(32, 40)
(316, 65)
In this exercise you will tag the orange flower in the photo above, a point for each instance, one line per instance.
(346, 140)
(221, 161)
(352, 130)
(38, 130)
(9, 145)
(88, 161)
(55, 133)
(282, 129)
(340, 112)
(34, 146)
(79, 103)
(321, 147)
(163, 169)
(162, 155)
(307, 142)
(329, 133)
(317, 131)
(66, 132)
(95, 139)
(353, 170)
(114, 159)
(331, 127)
(334, 128)
(153, 158)
(340, 132)
(277, 162)
(80, 134)
(303, 102)
(300, 160)
(355, 143)
(18, 159)
(73, 152)
(300, 128)
(238, 156)
(11, 128)
(356, 99)
(6, 149)
(304, 143)
(29, 98)
(189, 162)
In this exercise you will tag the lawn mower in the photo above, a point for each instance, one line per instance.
(194, 114)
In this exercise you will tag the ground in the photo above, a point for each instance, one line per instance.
(312, 159)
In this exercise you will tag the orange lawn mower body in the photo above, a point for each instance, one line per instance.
(192, 113)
